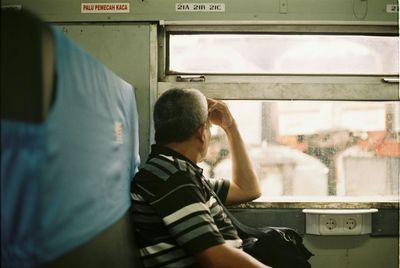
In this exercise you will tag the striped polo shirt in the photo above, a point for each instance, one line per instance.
(174, 214)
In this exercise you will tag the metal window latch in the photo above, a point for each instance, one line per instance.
(390, 80)
(190, 78)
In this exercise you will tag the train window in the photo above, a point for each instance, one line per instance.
(316, 150)
(283, 54)
(323, 100)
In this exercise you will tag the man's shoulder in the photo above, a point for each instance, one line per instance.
(160, 176)
(163, 167)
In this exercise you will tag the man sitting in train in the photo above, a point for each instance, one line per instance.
(178, 223)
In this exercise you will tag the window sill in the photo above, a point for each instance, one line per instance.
(326, 204)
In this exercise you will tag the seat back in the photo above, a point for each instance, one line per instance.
(69, 145)
(27, 66)
(114, 247)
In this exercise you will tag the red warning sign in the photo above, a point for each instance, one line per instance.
(96, 8)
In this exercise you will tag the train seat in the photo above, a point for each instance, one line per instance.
(69, 148)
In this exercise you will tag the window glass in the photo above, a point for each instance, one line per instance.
(315, 149)
(285, 54)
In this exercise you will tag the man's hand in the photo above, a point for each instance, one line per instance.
(219, 114)
(222, 256)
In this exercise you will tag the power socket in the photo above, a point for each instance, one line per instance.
(338, 222)
(328, 224)
(352, 224)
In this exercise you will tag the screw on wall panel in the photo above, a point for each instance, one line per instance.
(283, 6)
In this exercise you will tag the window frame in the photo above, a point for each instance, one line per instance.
(281, 86)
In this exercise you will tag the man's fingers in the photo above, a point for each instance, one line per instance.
(211, 102)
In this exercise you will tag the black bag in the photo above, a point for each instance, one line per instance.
(279, 247)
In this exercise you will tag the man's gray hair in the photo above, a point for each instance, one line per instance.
(178, 113)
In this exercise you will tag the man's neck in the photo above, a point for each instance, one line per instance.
(185, 148)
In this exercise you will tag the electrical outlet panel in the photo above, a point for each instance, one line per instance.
(338, 221)
(330, 224)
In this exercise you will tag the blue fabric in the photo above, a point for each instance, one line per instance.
(67, 179)
(22, 166)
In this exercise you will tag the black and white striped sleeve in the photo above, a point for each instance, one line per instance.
(220, 187)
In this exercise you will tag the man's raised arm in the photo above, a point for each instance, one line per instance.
(244, 185)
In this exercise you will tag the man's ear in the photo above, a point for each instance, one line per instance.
(201, 133)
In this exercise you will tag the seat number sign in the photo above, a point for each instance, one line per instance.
(200, 7)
